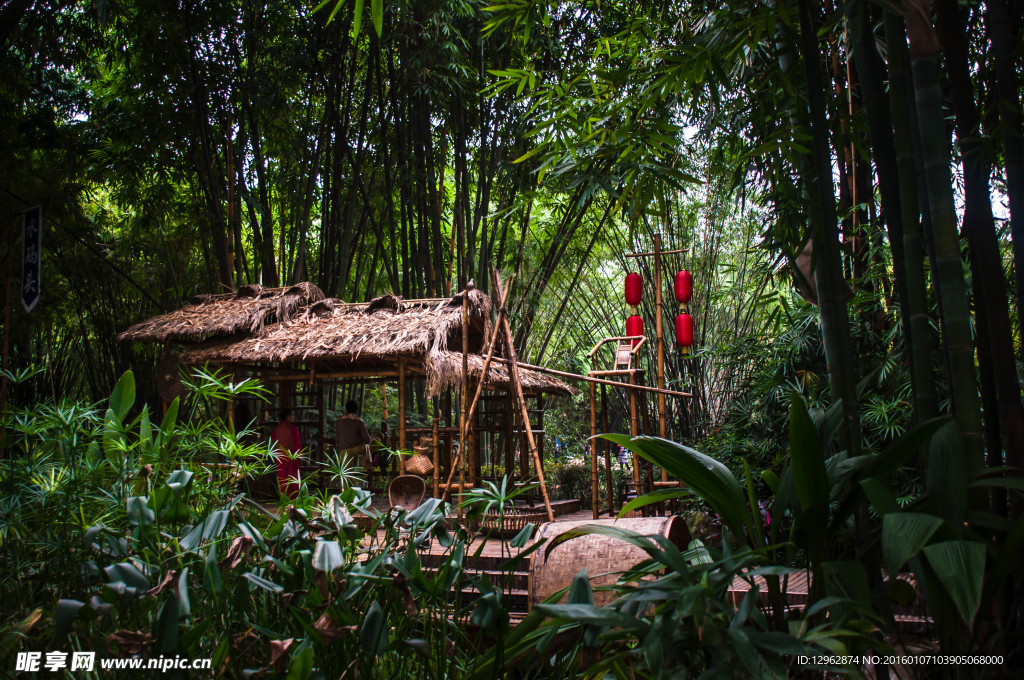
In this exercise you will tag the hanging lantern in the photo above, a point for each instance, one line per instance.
(684, 330)
(634, 289)
(634, 326)
(683, 286)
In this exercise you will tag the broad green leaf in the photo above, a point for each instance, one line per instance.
(807, 463)
(903, 535)
(652, 497)
(64, 615)
(960, 567)
(590, 614)
(139, 512)
(708, 478)
(373, 635)
(580, 592)
(167, 627)
(327, 556)
(301, 667)
(181, 590)
(123, 397)
(946, 476)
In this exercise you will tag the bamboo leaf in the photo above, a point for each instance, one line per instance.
(377, 9)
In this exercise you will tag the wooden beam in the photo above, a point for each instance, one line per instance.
(599, 381)
(658, 251)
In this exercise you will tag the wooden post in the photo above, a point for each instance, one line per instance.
(518, 386)
(510, 444)
(491, 345)
(593, 447)
(659, 329)
(607, 452)
(463, 454)
(633, 430)
(437, 445)
(401, 412)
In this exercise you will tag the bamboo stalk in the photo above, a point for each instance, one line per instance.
(491, 345)
(463, 412)
(593, 446)
(514, 375)
(660, 330)
(607, 452)
(955, 316)
(401, 412)
(437, 444)
(634, 430)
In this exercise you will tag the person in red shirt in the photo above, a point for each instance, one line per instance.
(287, 443)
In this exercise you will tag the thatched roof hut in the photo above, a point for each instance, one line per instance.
(247, 310)
(300, 327)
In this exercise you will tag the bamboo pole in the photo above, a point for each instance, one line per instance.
(607, 452)
(464, 398)
(593, 447)
(660, 331)
(401, 413)
(492, 343)
(514, 376)
(633, 431)
(437, 445)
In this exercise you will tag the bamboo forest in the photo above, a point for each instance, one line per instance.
(529, 339)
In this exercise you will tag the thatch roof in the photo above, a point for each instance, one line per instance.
(299, 326)
(248, 310)
(444, 370)
(384, 327)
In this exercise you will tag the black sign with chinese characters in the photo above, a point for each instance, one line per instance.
(31, 256)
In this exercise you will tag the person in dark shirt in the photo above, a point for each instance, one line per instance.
(351, 437)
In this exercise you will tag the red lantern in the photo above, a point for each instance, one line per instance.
(634, 289)
(684, 330)
(634, 326)
(683, 286)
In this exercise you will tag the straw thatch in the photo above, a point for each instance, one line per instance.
(444, 370)
(248, 310)
(384, 327)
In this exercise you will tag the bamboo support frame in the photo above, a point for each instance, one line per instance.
(599, 381)
(401, 413)
(607, 452)
(634, 429)
(514, 376)
(491, 345)
(436, 444)
(593, 447)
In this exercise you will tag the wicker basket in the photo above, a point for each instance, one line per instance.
(407, 491)
(603, 556)
(419, 464)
